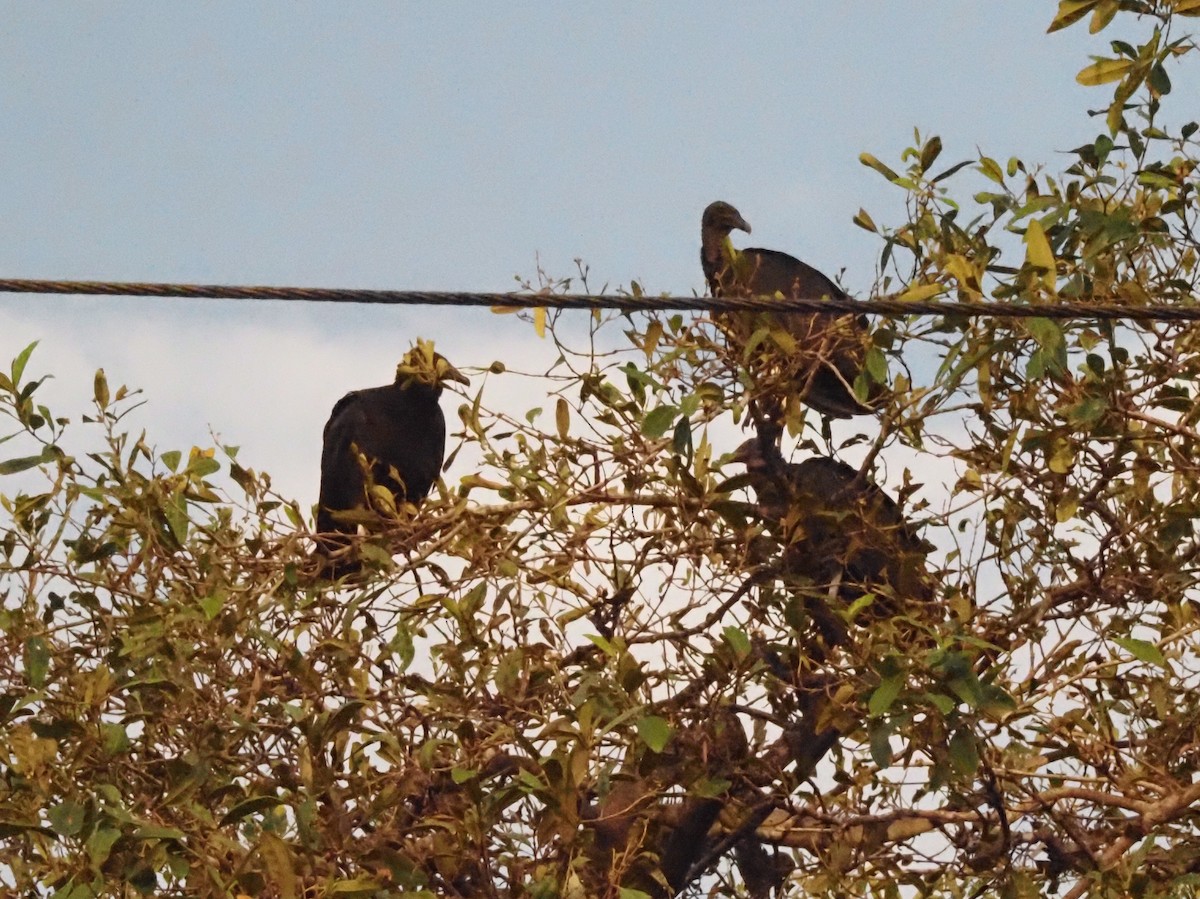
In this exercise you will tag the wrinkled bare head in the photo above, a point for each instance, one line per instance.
(721, 218)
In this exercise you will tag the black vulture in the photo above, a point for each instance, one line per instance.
(829, 349)
(396, 433)
(836, 527)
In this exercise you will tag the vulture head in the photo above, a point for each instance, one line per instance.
(755, 456)
(421, 365)
(720, 218)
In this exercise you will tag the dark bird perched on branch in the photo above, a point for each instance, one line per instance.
(392, 437)
(839, 530)
(824, 353)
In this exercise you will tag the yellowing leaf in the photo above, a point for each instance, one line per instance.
(654, 332)
(1069, 12)
(1038, 252)
(562, 417)
(963, 272)
(1063, 456)
(1102, 71)
(100, 389)
(1066, 508)
(921, 292)
(864, 221)
(539, 321)
(871, 162)
(1103, 15)
(1187, 7)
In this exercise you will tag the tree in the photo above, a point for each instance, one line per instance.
(584, 670)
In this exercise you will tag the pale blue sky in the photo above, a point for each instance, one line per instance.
(443, 145)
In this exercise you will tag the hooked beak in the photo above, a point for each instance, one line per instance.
(742, 225)
(450, 373)
(747, 453)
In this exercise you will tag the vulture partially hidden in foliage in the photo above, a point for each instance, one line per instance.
(829, 350)
(837, 528)
(394, 434)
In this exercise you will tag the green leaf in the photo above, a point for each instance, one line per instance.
(24, 463)
(964, 755)
(881, 744)
(249, 807)
(1141, 650)
(736, 637)
(100, 844)
(37, 661)
(656, 422)
(681, 439)
(175, 509)
(66, 818)
(885, 694)
(158, 832)
(930, 152)
(18, 365)
(654, 731)
(171, 459)
(365, 886)
(629, 893)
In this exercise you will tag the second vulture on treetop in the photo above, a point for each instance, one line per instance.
(829, 349)
(839, 530)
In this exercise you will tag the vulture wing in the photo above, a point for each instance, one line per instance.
(836, 525)
(341, 475)
(400, 429)
(833, 345)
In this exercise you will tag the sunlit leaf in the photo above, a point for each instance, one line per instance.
(1069, 12)
(921, 292)
(562, 418)
(1103, 71)
(871, 162)
(864, 221)
(1039, 254)
(100, 389)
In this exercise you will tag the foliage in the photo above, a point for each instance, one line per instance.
(589, 667)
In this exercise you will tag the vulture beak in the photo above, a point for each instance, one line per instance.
(741, 224)
(447, 372)
(748, 452)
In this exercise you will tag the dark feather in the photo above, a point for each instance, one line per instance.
(836, 525)
(832, 346)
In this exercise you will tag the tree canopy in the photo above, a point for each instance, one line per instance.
(588, 667)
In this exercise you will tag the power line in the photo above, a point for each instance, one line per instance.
(883, 305)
